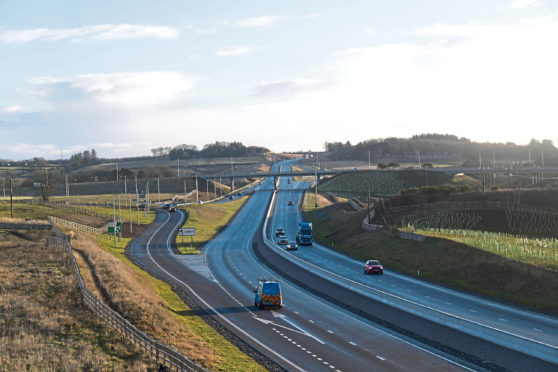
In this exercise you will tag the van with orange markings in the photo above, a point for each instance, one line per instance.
(268, 294)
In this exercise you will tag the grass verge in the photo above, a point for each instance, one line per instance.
(208, 220)
(152, 305)
(41, 212)
(45, 326)
(309, 201)
(439, 260)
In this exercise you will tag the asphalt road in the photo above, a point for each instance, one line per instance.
(308, 333)
(341, 323)
(516, 329)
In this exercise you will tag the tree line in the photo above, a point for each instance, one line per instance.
(434, 147)
(212, 150)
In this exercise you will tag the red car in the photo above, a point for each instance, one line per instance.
(373, 267)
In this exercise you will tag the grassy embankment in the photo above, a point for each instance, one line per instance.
(41, 212)
(440, 260)
(148, 303)
(44, 323)
(152, 306)
(101, 199)
(208, 220)
(309, 201)
(295, 168)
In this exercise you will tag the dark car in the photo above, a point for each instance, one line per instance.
(373, 267)
(282, 241)
(292, 246)
(280, 232)
(172, 209)
(291, 202)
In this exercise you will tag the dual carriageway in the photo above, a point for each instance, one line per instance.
(334, 317)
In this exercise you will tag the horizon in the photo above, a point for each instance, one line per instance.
(124, 78)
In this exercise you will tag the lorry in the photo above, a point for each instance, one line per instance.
(304, 235)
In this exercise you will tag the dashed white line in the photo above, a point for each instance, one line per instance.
(473, 310)
(536, 329)
(381, 358)
(311, 321)
(330, 331)
(352, 343)
(503, 320)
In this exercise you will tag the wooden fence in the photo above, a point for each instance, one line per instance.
(75, 225)
(154, 349)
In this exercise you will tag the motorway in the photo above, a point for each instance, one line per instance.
(313, 331)
(308, 333)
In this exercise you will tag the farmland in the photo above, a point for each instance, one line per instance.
(538, 252)
(503, 266)
(529, 222)
(380, 183)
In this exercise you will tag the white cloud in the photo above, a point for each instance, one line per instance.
(293, 87)
(521, 4)
(13, 109)
(370, 31)
(234, 51)
(127, 89)
(263, 21)
(105, 32)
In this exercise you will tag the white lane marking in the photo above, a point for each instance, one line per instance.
(536, 329)
(209, 307)
(303, 331)
(330, 331)
(352, 343)
(503, 320)
(381, 358)
(403, 299)
(473, 310)
(265, 268)
(311, 321)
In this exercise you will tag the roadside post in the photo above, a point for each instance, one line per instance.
(189, 231)
(114, 228)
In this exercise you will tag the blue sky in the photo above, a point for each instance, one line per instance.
(127, 76)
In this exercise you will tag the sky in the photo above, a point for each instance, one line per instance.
(124, 77)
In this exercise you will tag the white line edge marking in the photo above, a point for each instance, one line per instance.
(208, 306)
(354, 316)
(493, 328)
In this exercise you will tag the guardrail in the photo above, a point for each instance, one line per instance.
(161, 353)
(75, 225)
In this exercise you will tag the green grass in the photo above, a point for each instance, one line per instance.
(294, 168)
(109, 212)
(101, 198)
(439, 259)
(231, 359)
(538, 252)
(208, 220)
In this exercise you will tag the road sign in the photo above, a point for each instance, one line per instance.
(187, 232)
(111, 227)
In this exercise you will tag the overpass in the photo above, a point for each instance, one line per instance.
(319, 173)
